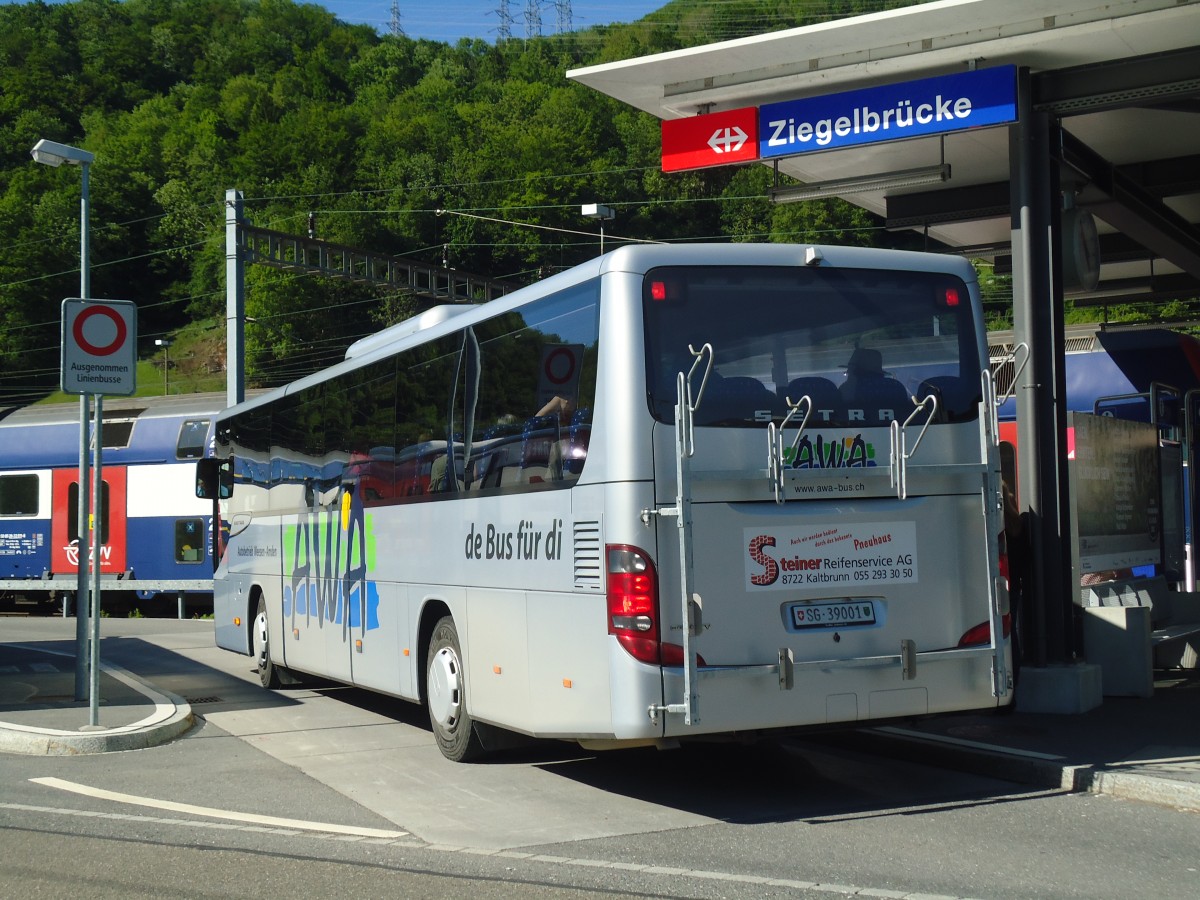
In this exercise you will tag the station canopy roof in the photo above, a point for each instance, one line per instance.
(1123, 77)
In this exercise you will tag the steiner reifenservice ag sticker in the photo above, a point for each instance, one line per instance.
(818, 556)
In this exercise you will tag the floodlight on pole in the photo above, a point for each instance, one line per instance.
(602, 213)
(52, 153)
(165, 343)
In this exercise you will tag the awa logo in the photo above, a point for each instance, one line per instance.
(832, 453)
(328, 554)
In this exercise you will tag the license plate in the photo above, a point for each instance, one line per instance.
(831, 615)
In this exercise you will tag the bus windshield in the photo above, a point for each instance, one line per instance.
(861, 344)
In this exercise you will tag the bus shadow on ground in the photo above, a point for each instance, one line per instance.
(204, 688)
(785, 779)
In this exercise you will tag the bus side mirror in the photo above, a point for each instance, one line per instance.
(214, 479)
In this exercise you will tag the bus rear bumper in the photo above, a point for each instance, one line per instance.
(821, 692)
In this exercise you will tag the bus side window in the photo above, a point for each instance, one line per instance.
(438, 472)
(574, 449)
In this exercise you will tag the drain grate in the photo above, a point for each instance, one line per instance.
(195, 701)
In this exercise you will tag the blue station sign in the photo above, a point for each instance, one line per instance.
(892, 112)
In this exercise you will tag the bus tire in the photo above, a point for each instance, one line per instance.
(268, 672)
(446, 696)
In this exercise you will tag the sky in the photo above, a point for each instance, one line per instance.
(449, 20)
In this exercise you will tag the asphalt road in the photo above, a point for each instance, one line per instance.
(794, 818)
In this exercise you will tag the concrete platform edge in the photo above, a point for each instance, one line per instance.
(172, 717)
(1036, 770)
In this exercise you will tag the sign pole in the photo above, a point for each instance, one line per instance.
(99, 356)
(98, 519)
(82, 605)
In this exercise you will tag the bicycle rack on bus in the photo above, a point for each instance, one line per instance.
(990, 494)
(993, 407)
(692, 604)
(900, 454)
(775, 458)
(685, 448)
(989, 438)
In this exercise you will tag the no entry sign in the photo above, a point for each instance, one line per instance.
(99, 347)
(561, 364)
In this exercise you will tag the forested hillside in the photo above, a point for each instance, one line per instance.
(183, 99)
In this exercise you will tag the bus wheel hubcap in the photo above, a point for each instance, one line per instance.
(260, 630)
(444, 688)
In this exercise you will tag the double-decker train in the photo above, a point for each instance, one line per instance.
(156, 539)
(1108, 371)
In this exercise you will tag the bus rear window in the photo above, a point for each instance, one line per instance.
(861, 343)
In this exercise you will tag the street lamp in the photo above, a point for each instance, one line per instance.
(601, 212)
(52, 153)
(165, 343)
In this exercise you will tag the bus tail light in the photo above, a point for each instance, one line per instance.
(633, 601)
(672, 655)
(633, 607)
(982, 633)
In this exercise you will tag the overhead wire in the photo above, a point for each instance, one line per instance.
(466, 212)
(591, 22)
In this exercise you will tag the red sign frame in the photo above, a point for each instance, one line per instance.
(716, 139)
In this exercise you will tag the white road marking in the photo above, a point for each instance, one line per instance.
(960, 742)
(414, 844)
(228, 815)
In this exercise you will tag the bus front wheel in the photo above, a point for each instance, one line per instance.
(446, 696)
(268, 672)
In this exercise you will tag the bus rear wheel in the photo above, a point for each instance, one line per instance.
(268, 672)
(446, 696)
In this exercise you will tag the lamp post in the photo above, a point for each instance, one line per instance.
(165, 343)
(51, 153)
(603, 214)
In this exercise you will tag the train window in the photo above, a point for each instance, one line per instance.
(191, 439)
(18, 495)
(118, 427)
(189, 540)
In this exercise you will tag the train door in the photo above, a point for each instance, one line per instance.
(64, 530)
